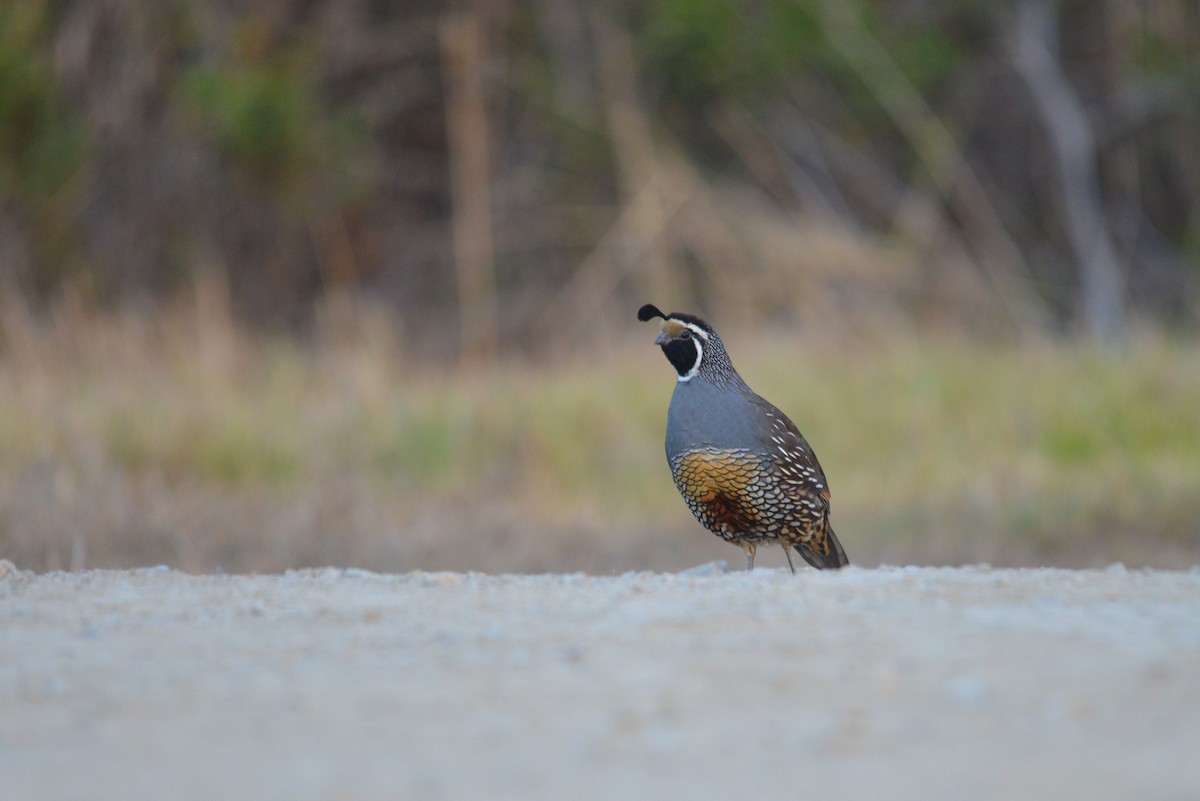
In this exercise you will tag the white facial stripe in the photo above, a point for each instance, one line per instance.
(695, 329)
(690, 374)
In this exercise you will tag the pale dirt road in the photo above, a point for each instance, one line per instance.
(866, 684)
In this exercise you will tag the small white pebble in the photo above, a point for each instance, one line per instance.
(967, 690)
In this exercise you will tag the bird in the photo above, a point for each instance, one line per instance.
(743, 468)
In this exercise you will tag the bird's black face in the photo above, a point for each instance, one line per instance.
(682, 338)
(683, 352)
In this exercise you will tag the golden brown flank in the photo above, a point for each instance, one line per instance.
(749, 500)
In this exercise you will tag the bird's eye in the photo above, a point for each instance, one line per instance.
(686, 334)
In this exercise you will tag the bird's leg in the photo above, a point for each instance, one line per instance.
(750, 549)
(788, 553)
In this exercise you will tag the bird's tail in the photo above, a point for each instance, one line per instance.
(823, 551)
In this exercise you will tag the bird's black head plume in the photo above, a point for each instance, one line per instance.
(649, 312)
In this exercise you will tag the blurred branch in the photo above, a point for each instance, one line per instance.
(463, 58)
(566, 152)
(772, 165)
(937, 150)
(1031, 47)
(667, 211)
(332, 247)
(639, 164)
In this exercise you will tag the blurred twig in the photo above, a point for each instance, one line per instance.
(542, 161)
(640, 164)
(463, 56)
(936, 148)
(657, 186)
(1031, 45)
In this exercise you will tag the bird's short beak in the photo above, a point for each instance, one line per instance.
(662, 339)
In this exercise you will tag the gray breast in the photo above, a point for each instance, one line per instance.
(703, 414)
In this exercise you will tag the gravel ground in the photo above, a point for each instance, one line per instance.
(954, 683)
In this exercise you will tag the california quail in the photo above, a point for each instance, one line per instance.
(742, 466)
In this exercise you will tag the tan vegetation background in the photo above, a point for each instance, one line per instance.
(301, 283)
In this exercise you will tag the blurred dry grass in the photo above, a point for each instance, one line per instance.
(176, 437)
